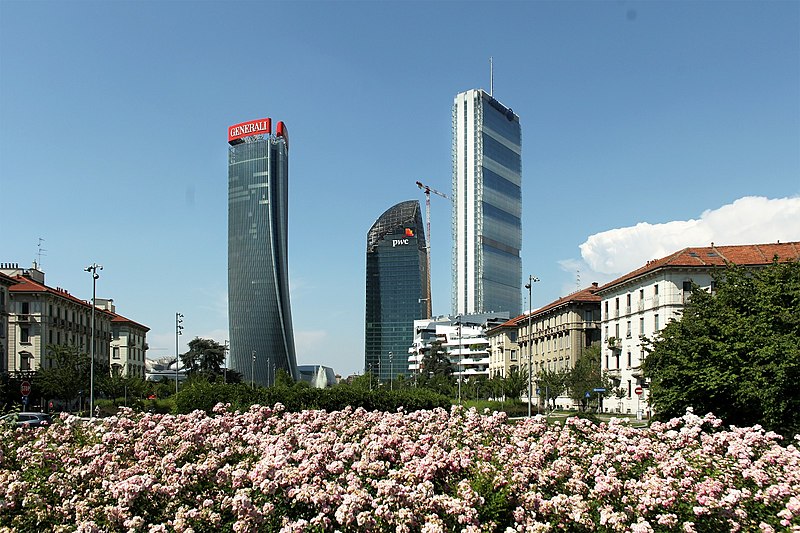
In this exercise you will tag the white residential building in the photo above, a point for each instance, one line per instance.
(642, 302)
(463, 338)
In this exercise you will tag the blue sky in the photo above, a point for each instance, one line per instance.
(647, 127)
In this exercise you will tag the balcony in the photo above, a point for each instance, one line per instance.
(614, 343)
(614, 373)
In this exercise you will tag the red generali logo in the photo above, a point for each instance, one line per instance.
(262, 126)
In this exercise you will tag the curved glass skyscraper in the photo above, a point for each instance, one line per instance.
(397, 288)
(487, 205)
(260, 318)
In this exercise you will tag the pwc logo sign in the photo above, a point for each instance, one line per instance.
(403, 242)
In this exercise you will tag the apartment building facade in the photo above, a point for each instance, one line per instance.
(642, 302)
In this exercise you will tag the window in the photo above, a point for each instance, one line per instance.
(25, 308)
(115, 352)
(687, 286)
(655, 323)
(513, 355)
(641, 326)
(616, 358)
(24, 336)
(24, 361)
(616, 330)
(628, 300)
(629, 359)
(641, 295)
(628, 333)
(655, 289)
(606, 308)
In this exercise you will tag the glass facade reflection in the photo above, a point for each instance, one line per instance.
(260, 318)
(487, 206)
(396, 288)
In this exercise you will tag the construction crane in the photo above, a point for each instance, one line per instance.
(428, 190)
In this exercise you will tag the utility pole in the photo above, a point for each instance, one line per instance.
(93, 268)
(531, 280)
(428, 190)
(178, 333)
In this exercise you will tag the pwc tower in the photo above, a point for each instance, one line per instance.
(397, 288)
(259, 314)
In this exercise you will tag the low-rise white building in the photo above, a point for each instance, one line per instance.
(640, 303)
(463, 338)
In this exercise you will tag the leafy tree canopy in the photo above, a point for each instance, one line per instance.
(67, 372)
(206, 356)
(735, 353)
(586, 376)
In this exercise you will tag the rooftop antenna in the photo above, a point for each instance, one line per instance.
(578, 280)
(491, 77)
(40, 253)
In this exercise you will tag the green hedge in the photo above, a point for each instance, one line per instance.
(204, 396)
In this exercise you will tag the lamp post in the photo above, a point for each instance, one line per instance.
(252, 369)
(93, 268)
(531, 280)
(391, 371)
(460, 359)
(178, 333)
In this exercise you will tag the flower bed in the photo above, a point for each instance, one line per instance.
(353, 470)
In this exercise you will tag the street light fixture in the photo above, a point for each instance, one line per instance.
(93, 268)
(460, 358)
(178, 333)
(391, 371)
(252, 369)
(531, 280)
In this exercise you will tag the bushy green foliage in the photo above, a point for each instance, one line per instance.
(735, 353)
(205, 395)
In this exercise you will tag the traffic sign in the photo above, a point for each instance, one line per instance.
(25, 388)
(638, 390)
(599, 389)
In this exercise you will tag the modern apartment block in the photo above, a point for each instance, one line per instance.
(487, 205)
(259, 314)
(642, 302)
(39, 316)
(463, 338)
(397, 289)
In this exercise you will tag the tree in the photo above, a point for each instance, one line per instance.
(586, 376)
(552, 384)
(436, 370)
(205, 356)
(67, 372)
(515, 383)
(114, 385)
(735, 352)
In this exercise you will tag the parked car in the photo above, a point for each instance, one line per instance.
(27, 419)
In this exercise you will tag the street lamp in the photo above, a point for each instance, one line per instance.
(391, 371)
(460, 358)
(531, 280)
(178, 333)
(93, 268)
(252, 369)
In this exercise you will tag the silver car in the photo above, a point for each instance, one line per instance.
(27, 419)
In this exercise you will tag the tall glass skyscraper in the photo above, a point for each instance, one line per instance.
(487, 205)
(260, 318)
(397, 288)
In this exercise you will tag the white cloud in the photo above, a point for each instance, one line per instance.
(748, 220)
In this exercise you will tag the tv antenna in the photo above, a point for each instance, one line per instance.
(41, 251)
(491, 76)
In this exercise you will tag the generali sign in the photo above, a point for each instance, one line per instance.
(261, 126)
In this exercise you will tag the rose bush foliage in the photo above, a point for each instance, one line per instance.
(267, 469)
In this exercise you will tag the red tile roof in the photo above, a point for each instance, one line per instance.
(717, 256)
(25, 284)
(121, 319)
(584, 295)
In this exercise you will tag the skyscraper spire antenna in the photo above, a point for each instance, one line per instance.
(491, 76)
